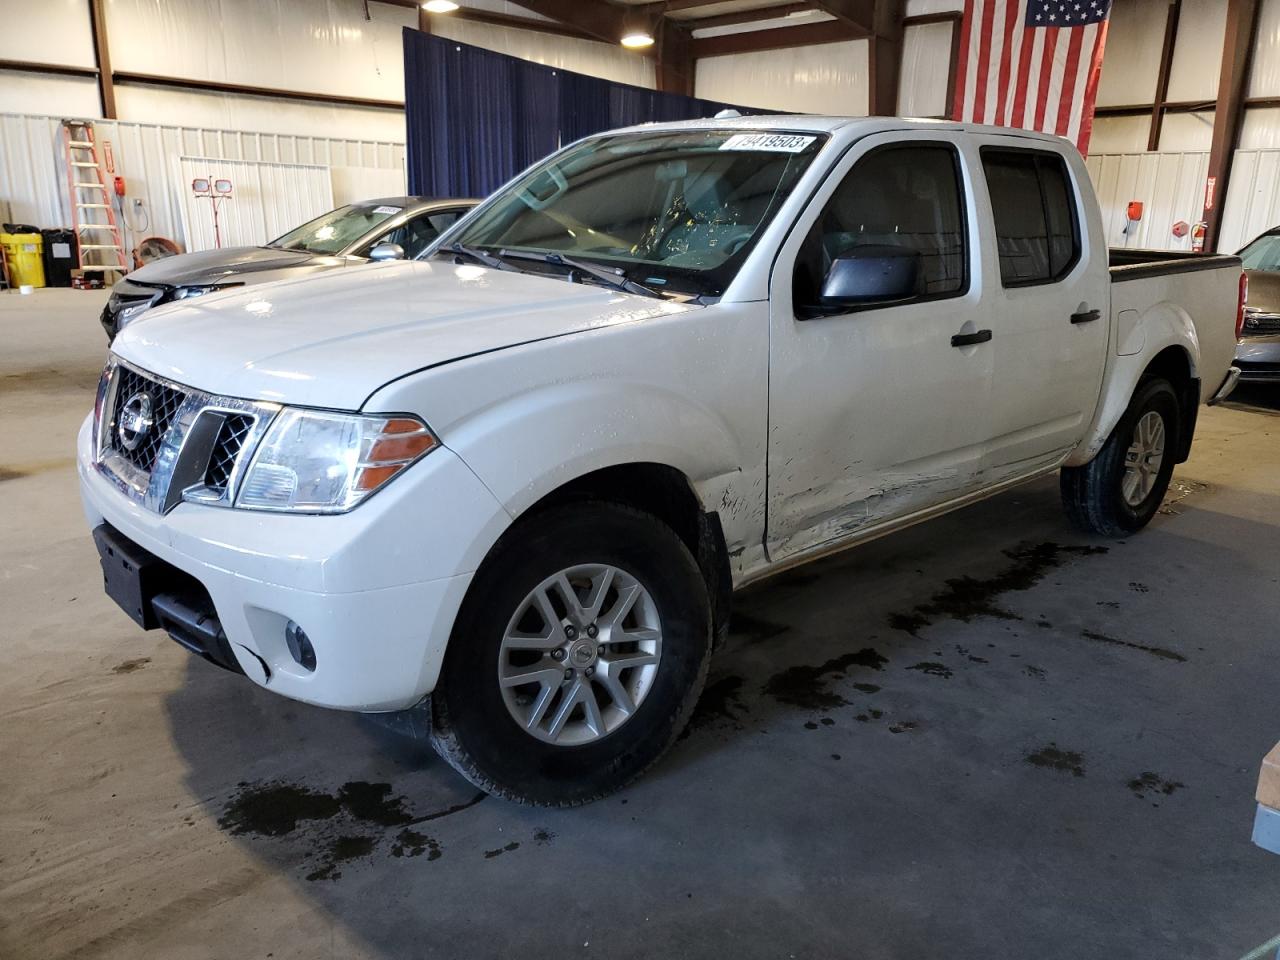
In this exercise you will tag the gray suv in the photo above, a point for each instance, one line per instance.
(386, 229)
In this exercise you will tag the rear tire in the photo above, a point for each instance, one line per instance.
(585, 724)
(1119, 491)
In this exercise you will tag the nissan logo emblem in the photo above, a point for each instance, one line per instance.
(135, 420)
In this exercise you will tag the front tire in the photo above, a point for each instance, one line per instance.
(1119, 491)
(577, 657)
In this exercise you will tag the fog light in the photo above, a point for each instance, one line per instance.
(300, 646)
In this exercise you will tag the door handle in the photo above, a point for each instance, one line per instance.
(968, 339)
(1086, 316)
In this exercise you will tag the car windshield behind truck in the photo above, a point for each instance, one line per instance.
(674, 211)
(1263, 253)
(336, 230)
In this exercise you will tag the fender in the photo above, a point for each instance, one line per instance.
(1156, 329)
(523, 448)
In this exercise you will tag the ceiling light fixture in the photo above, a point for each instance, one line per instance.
(636, 41)
(439, 6)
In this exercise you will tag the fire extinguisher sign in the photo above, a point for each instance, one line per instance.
(1210, 188)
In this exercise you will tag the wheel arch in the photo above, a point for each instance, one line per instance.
(1171, 351)
(664, 492)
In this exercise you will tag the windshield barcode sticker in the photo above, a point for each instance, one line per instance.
(776, 142)
(387, 209)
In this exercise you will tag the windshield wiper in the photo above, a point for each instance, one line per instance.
(476, 254)
(610, 276)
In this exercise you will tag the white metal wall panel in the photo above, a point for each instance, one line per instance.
(1264, 72)
(1170, 186)
(53, 31)
(607, 60)
(351, 184)
(1119, 134)
(22, 92)
(1186, 132)
(33, 182)
(1202, 27)
(827, 78)
(1253, 199)
(1131, 60)
(223, 111)
(1261, 128)
(926, 65)
(286, 44)
(268, 199)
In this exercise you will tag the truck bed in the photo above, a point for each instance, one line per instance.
(1134, 264)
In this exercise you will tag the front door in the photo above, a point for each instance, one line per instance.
(881, 409)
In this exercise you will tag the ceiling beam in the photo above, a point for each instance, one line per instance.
(746, 16)
(603, 21)
(673, 58)
(857, 13)
(752, 41)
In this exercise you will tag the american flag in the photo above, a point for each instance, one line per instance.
(1032, 64)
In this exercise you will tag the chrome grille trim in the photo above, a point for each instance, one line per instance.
(186, 446)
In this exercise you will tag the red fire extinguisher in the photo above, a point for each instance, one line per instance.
(1197, 237)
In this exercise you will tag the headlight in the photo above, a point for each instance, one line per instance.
(186, 293)
(313, 461)
(127, 315)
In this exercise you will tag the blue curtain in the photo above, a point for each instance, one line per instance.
(475, 118)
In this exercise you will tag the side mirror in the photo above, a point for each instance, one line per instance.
(386, 251)
(871, 274)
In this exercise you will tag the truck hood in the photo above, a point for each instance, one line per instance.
(211, 266)
(332, 339)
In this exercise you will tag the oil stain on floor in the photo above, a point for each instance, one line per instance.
(347, 825)
(807, 686)
(967, 598)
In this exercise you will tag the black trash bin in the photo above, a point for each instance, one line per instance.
(60, 256)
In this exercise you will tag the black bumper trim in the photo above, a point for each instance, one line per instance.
(157, 594)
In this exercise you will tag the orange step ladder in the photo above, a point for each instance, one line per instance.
(100, 243)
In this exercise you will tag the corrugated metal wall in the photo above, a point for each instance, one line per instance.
(33, 182)
(1169, 185)
(267, 200)
(1171, 188)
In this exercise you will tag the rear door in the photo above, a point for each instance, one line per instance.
(878, 411)
(1049, 317)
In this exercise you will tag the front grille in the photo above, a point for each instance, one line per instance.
(1258, 323)
(157, 403)
(226, 448)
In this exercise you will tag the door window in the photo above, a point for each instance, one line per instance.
(417, 234)
(1034, 207)
(904, 197)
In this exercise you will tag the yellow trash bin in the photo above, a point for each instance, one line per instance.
(24, 251)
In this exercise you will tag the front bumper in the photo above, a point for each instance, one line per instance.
(376, 589)
(1258, 358)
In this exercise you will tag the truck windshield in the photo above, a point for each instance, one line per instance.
(677, 212)
(1263, 253)
(337, 229)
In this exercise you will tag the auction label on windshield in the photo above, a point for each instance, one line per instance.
(387, 209)
(776, 142)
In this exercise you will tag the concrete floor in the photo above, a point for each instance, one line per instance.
(973, 739)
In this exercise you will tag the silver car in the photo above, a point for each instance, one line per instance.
(387, 229)
(1258, 350)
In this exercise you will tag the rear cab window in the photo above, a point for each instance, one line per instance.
(1034, 205)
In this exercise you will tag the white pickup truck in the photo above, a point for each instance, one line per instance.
(523, 475)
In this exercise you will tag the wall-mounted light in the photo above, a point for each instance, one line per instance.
(439, 6)
(637, 41)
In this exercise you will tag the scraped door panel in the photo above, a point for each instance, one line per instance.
(874, 413)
